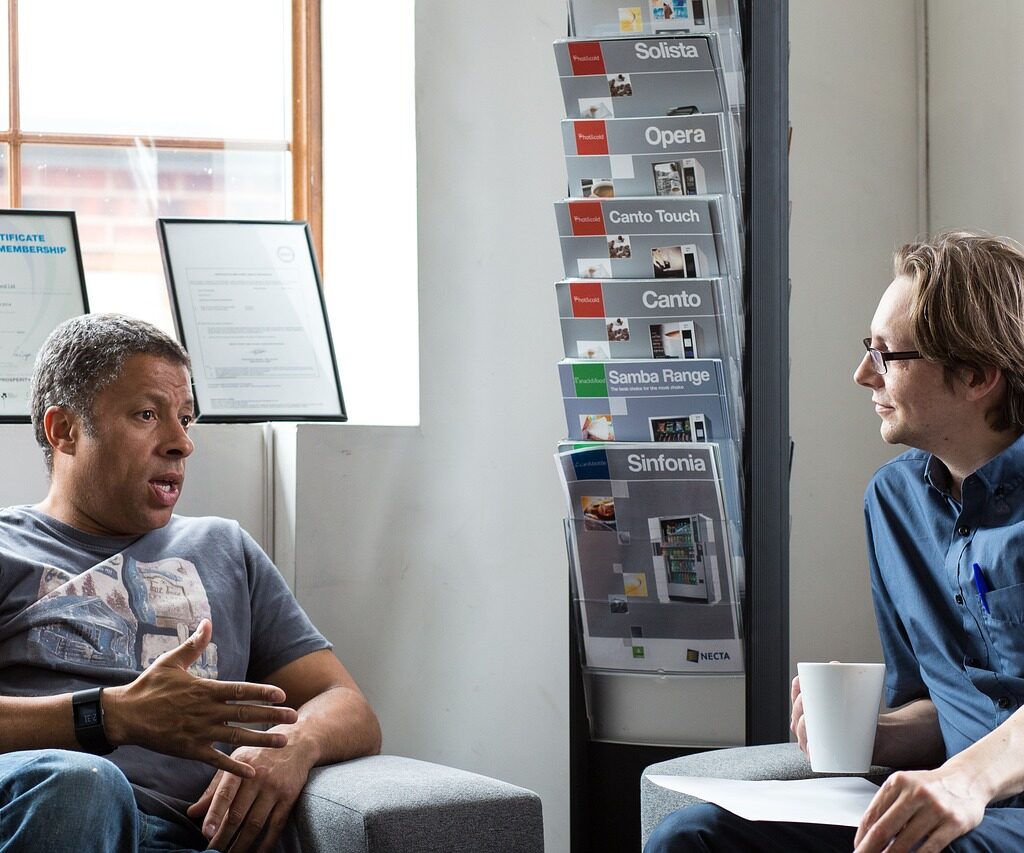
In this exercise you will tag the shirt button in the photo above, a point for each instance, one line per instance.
(958, 598)
(1000, 491)
(973, 661)
(1003, 702)
(963, 530)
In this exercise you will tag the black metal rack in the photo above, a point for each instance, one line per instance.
(605, 777)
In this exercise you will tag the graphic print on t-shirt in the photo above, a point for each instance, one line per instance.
(119, 614)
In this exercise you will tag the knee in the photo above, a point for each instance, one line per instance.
(687, 830)
(70, 778)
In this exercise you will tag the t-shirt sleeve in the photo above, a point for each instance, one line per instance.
(281, 630)
(902, 673)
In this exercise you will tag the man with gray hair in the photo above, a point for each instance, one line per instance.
(134, 633)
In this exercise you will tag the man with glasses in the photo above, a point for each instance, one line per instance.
(945, 529)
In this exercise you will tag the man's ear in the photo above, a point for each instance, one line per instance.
(981, 382)
(62, 429)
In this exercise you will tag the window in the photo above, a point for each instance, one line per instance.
(122, 126)
(128, 111)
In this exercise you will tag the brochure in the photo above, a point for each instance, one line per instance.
(653, 564)
(657, 238)
(655, 156)
(623, 77)
(655, 400)
(609, 18)
(646, 318)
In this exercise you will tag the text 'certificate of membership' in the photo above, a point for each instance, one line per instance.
(249, 310)
(41, 285)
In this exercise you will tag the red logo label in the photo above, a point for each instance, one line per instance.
(591, 137)
(587, 299)
(586, 218)
(586, 58)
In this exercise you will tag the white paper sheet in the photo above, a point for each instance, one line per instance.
(840, 801)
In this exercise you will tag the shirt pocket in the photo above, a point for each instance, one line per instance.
(1005, 623)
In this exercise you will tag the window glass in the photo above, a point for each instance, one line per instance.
(117, 194)
(191, 68)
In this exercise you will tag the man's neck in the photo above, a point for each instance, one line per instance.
(968, 457)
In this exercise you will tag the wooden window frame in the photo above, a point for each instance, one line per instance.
(306, 146)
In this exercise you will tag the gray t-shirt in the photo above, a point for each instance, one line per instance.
(79, 611)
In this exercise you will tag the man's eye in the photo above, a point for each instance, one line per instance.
(147, 415)
(186, 421)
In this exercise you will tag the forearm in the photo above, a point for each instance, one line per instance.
(995, 763)
(909, 736)
(36, 722)
(335, 725)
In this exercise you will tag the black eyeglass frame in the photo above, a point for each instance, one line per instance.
(880, 359)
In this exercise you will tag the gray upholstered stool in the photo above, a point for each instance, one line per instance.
(782, 761)
(390, 804)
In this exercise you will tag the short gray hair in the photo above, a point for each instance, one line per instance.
(83, 356)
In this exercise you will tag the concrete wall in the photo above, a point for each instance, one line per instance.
(854, 186)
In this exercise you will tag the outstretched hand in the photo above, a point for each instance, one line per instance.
(169, 710)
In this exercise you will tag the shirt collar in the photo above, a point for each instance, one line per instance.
(1002, 474)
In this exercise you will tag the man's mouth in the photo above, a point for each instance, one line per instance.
(166, 490)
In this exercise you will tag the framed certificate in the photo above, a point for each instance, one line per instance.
(249, 308)
(41, 285)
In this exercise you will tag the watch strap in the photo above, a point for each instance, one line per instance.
(87, 714)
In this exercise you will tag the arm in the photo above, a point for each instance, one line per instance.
(908, 736)
(165, 709)
(941, 805)
(335, 723)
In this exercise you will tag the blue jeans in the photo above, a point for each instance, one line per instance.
(52, 799)
(705, 828)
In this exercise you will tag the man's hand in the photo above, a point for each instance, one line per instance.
(797, 723)
(921, 810)
(168, 710)
(236, 811)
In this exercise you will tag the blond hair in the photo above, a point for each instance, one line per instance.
(968, 310)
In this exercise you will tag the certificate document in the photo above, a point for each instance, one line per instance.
(249, 309)
(41, 285)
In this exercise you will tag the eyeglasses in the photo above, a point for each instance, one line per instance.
(879, 358)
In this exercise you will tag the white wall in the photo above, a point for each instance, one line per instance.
(434, 556)
(854, 187)
(976, 124)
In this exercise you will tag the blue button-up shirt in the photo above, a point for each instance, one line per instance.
(938, 639)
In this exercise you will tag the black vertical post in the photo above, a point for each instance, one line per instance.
(766, 43)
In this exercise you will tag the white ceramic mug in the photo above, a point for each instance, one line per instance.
(841, 713)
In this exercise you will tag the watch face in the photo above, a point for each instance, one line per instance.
(87, 714)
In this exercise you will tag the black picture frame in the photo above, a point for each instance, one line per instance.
(210, 233)
(18, 354)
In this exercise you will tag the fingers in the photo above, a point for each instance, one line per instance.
(243, 691)
(885, 817)
(246, 820)
(188, 652)
(239, 736)
(218, 760)
(797, 723)
(275, 826)
(199, 808)
(227, 809)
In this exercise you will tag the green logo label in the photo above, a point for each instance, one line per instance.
(589, 380)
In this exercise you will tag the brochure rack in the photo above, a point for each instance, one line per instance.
(625, 312)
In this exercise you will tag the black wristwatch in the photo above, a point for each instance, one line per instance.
(88, 717)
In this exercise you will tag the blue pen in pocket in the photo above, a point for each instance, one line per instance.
(982, 586)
